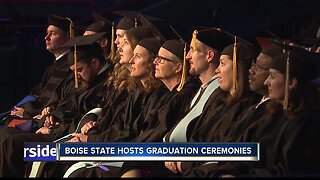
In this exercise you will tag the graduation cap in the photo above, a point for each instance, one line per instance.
(135, 15)
(84, 48)
(103, 24)
(98, 17)
(60, 22)
(212, 37)
(272, 51)
(131, 19)
(151, 44)
(136, 34)
(145, 22)
(296, 62)
(179, 49)
(125, 23)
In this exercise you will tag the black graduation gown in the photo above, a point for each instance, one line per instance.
(218, 127)
(255, 126)
(48, 88)
(169, 110)
(126, 129)
(162, 117)
(296, 148)
(11, 146)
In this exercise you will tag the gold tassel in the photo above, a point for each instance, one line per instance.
(72, 34)
(194, 40)
(234, 65)
(112, 42)
(135, 22)
(286, 90)
(184, 69)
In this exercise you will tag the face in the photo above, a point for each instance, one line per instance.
(119, 39)
(258, 73)
(165, 68)
(140, 63)
(276, 85)
(197, 59)
(85, 73)
(224, 73)
(54, 38)
(125, 51)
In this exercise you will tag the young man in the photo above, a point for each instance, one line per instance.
(46, 90)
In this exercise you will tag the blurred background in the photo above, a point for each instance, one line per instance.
(23, 27)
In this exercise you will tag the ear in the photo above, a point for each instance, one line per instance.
(178, 68)
(104, 43)
(210, 55)
(293, 83)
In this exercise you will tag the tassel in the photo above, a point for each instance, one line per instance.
(112, 42)
(286, 90)
(135, 22)
(184, 69)
(194, 40)
(72, 34)
(234, 65)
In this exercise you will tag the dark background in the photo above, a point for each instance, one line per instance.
(23, 26)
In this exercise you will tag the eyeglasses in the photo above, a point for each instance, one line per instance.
(257, 67)
(160, 59)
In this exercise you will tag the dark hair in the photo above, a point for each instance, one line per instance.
(243, 88)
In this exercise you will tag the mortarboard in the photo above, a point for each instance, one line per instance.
(98, 17)
(212, 37)
(146, 23)
(84, 48)
(103, 24)
(131, 19)
(60, 22)
(151, 44)
(125, 23)
(272, 51)
(296, 62)
(175, 47)
(82, 40)
(136, 34)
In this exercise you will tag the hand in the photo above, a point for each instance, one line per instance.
(85, 128)
(74, 139)
(17, 111)
(51, 121)
(81, 137)
(43, 130)
(46, 111)
(227, 176)
(175, 167)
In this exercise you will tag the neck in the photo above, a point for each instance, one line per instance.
(171, 83)
(207, 75)
(58, 52)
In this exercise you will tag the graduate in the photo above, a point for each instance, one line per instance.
(47, 90)
(91, 74)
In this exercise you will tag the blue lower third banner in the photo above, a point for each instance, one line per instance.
(143, 152)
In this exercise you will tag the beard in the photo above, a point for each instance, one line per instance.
(84, 84)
